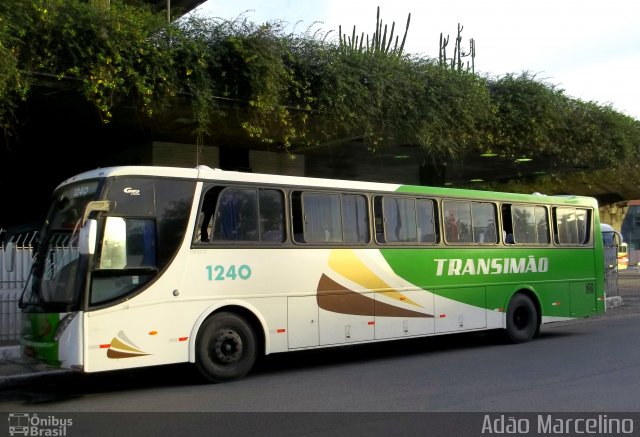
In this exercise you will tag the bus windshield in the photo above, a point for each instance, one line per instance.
(52, 284)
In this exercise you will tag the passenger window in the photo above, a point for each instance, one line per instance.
(355, 218)
(404, 220)
(426, 221)
(271, 204)
(457, 221)
(530, 224)
(322, 218)
(507, 224)
(330, 218)
(572, 226)
(236, 217)
(483, 217)
(242, 214)
(400, 220)
(470, 222)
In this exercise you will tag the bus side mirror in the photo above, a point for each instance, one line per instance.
(10, 252)
(87, 237)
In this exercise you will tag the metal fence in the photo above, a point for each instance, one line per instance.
(10, 317)
(12, 281)
(634, 258)
(611, 269)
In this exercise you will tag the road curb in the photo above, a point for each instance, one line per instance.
(614, 302)
(8, 353)
(11, 381)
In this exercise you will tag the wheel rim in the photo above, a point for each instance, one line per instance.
(227, 347)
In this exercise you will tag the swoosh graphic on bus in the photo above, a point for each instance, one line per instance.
(347, 264)
(122, 347)
(338, 299)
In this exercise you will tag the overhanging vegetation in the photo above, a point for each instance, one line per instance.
(299, 90)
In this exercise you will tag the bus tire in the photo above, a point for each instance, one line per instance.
(522, 319)
(226, 347)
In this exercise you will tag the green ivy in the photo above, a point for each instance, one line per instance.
(294, 90)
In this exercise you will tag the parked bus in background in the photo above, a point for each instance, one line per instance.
(611, 239)
(142, 266)
(623, 256)
(615, 248)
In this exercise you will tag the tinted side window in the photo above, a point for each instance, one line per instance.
(483, 217)
(149, 234)
(330, 218)
(241, 214)
(168, 200)
(426, 221)
(321, 218)
(236, 217)
(271, 205)
(470, 222)
(404, 220)
(128, 265)
(457, 221)
(400, 220)
(530, 224)
(355, 218)
(572, 226)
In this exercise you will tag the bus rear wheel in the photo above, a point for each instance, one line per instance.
(522, 319)
(226, 347)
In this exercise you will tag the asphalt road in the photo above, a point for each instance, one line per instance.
(583, 368)
(584, 365)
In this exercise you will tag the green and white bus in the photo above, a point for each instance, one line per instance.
(140, 266)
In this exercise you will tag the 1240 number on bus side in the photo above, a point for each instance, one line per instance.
(232, 272)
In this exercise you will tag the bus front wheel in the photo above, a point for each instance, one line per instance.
(226, 347)
(522, 319)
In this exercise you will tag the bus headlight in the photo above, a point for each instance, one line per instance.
(64, 323)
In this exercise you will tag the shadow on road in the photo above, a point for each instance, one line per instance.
(62, 387)
(59, 387)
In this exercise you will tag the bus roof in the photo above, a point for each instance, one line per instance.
(205, 173)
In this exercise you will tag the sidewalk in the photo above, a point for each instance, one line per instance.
(15, 369)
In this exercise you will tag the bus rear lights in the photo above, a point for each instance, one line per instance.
(66, 321)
